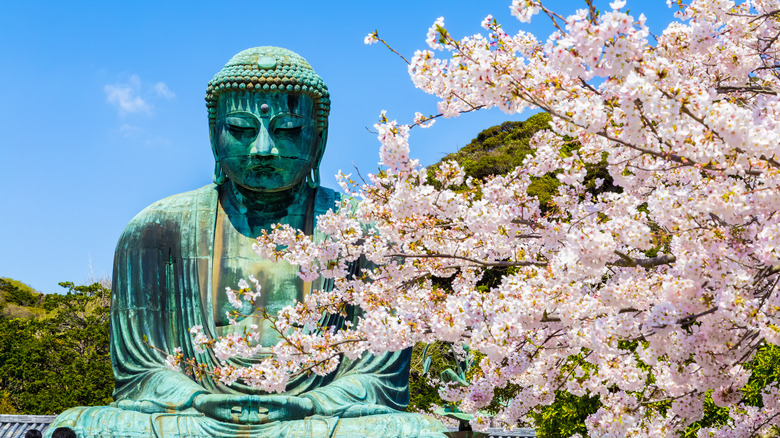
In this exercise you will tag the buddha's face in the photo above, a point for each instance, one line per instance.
(266, 142)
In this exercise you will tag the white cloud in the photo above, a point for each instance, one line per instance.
(126, 98)
(135, 96)
(163, 91)
(130, 131)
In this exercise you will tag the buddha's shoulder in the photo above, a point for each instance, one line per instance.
(186, 201)
(175, 208)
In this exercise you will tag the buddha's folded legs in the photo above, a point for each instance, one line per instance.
(105, 422)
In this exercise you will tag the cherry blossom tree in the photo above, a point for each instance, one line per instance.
(653, 296)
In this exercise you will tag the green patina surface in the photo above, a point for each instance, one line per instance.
(268, 124)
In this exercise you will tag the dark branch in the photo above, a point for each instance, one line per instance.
(497, 264)
(751, 89)
(628, 261)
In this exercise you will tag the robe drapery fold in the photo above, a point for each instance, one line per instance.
(162, 284)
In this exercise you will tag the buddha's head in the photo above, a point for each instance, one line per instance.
(268, 118)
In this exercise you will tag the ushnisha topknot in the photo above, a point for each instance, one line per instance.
(270, 69)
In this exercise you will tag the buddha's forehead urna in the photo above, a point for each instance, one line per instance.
(270, 69)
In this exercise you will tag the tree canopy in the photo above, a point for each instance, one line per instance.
(56, 356)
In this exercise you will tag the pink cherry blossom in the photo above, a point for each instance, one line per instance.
(672, 276)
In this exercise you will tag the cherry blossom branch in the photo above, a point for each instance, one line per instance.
(628, 261)
(592, 13)
(745, 89)
(757, 427)
(374, 37)
(497, 264)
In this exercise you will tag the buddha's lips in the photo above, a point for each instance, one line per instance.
(262, 166)
(272, 162)
(269, 163)
(262, 163)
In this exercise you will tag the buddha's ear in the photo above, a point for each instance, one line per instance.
(213, 138)
(314, 174)
(219, 175)
(320, 148)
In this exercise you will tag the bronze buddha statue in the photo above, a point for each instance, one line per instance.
(268, 114)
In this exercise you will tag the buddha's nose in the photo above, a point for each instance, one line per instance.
(263, 144)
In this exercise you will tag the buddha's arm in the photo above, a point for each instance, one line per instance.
(145, 318)
(370, 385)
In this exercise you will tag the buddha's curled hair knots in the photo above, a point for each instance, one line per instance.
(270, 69)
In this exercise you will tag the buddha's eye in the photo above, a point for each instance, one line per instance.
(241, 128)
(288, 124)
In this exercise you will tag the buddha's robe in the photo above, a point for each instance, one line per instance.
(163, 271)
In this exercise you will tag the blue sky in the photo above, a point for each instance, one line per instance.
(104, 111)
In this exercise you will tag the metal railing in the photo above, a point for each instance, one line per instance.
(15, 426)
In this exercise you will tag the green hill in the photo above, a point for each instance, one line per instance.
(19, 300)
(498, 149)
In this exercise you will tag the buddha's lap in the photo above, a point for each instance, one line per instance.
(106, 421)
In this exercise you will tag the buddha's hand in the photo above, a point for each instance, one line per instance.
(360, 410)
(253, 409)
(144, 406)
